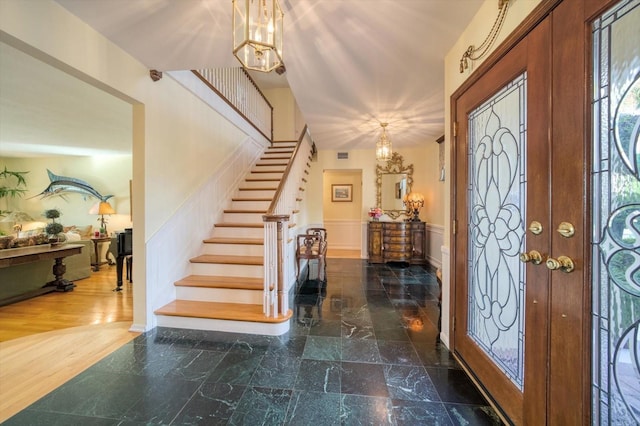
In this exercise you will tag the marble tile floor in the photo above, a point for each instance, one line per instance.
(362, 350)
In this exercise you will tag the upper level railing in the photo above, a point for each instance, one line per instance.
(277, 259)
(237, 87)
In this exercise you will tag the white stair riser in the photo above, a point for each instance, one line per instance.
(254, 193)
(225, 270)
(252, 184)
(234, 249)
(242, 217)
(225, 295)
(238, 232)
(268, 329)
(250, 205)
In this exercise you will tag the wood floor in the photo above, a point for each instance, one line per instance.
(47, 340)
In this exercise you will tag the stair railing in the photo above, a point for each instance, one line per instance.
(277, 259)
(240, 91)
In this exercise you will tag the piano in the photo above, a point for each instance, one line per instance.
(125, 248)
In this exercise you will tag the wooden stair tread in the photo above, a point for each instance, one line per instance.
(245, 241)
(228, 259)
(267, 171)
(263, 180)
(271, 164)
(239, 225)
(276, 157)
(250, 199)
(218, 310)
(256, 189)
(211, 281)
(244, 211)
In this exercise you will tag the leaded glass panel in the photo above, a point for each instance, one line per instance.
(616, 216)
(497, 196)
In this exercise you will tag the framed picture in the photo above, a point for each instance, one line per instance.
(342, 193)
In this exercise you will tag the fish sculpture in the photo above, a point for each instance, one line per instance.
(62, 185)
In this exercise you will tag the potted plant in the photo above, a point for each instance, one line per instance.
(54, 229)
(13, 184)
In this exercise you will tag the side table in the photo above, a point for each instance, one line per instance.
(96, 250)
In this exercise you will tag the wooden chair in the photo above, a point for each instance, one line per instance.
(311, 246)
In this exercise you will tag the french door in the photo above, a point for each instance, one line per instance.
(522, 235)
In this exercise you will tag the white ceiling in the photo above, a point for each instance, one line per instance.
(351, 64)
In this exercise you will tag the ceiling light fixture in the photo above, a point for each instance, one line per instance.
(383, 146)
(472, 53)
(257, 34)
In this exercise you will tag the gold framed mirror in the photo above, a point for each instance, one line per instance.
(393, 182)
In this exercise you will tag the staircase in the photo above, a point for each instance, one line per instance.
(225, 290)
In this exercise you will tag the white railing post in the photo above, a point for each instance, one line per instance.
(241, 92)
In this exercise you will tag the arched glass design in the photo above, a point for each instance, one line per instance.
(497, 196)
(615, 200)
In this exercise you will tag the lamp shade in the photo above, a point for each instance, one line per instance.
(102, 208)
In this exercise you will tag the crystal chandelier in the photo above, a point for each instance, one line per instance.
(257, 34)
(383, 146)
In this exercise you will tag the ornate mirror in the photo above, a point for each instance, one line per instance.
(393, 182)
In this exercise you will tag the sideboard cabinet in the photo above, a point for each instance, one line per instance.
(397, 242)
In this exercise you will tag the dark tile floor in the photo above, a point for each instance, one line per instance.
(362, 350)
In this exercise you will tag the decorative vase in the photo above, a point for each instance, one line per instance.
(57, 239)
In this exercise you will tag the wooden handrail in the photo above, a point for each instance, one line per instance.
(285, 175)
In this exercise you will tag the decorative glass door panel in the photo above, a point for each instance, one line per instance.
(616, 216)
(497, 195)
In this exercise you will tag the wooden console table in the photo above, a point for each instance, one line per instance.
(397, 242)
(19, 256)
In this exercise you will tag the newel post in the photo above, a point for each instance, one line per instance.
(276, 300)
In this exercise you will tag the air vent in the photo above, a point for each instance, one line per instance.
(343, 156)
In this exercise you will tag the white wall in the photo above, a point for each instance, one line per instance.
(474, 34)
(179, 141)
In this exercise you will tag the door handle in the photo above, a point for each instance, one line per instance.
(533, 256)
(564, 263)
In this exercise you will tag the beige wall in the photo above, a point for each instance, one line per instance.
(425, 178)
(109, 175)
(341, 210)
(287, 118)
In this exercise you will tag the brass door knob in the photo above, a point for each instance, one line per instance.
(566, 229)
(564, 263)
(533, 256)
(535, 227)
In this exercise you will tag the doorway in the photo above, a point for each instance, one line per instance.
(342, 211)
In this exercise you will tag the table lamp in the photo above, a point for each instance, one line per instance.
(102, 208)
(414, 202)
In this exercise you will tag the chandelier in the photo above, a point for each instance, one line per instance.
(257, 34)
(383, 146)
